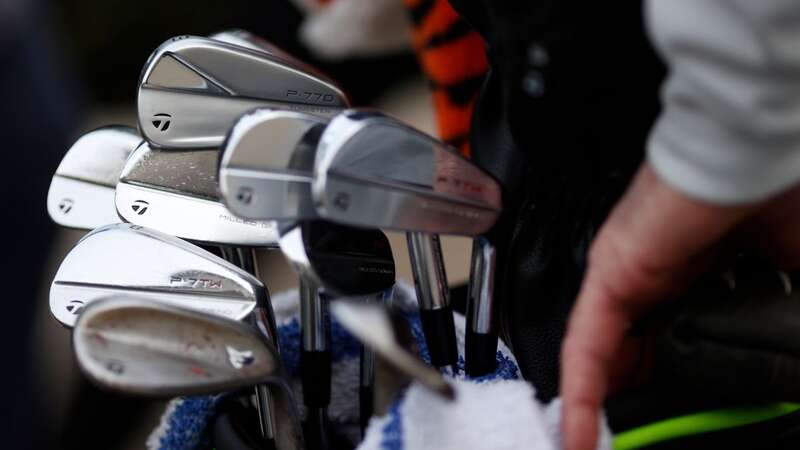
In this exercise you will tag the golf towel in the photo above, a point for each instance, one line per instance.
(497, 411)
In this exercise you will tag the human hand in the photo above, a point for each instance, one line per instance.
(654, 242)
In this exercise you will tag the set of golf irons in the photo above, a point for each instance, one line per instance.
(241, 147)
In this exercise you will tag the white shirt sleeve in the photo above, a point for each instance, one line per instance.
(729, 131)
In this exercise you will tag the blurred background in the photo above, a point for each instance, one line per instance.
(70, 66)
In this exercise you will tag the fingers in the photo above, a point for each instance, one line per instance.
(648, 246)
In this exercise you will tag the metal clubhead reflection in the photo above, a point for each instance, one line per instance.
(176, 192)
(140, 346)
(266, 165)
(128, 259)
(81, 193)
(244, 38)
(372, 170)
(193, 88)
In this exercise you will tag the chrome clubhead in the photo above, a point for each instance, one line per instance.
(144, 347)
(372, 170)
(244, 38)
(123, 259)
(193, 88)
(81, 193)
(372, 325)
(175, 192)
(344, 261)
(266, 165)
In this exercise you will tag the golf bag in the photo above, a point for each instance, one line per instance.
(562, 123)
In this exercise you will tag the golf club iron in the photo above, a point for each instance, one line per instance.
(81, 193)
(372, 170)
(333, 261)
(266, 165)
(144, 347)
(122, 258)
(110, 260)
(193, 88)
(175, 192)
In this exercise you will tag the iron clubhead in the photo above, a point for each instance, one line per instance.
(372, 325)
(140, 346)
(342, 260)
(372, 170)
(131, 260)
(176, 192)
(146, 347)
(193, 88)
(81, 193)
(266, 165)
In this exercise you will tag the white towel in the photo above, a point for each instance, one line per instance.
(498, 411)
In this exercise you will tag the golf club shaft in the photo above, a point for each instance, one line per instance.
(315, 363)
(480, 346)
(366, 391)
(245, 259)
(430, 282)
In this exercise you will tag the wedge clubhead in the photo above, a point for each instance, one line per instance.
(267, 162)
(374, 327)
(81, 193)
(193, 88)
(175, 192)
(140, 346)
(132, 260)
(374, 171)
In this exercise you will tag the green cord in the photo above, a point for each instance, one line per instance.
(698, 423)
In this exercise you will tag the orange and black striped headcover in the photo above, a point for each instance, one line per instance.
(453, 59)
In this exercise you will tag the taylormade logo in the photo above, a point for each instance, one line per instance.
(161, 121)
(115, 367)
(245, 195)
(75, 307)
(239, 359)
(65, 205)
(140, 207)
(342, 201)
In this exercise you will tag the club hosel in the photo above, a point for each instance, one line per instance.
(430, 279)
